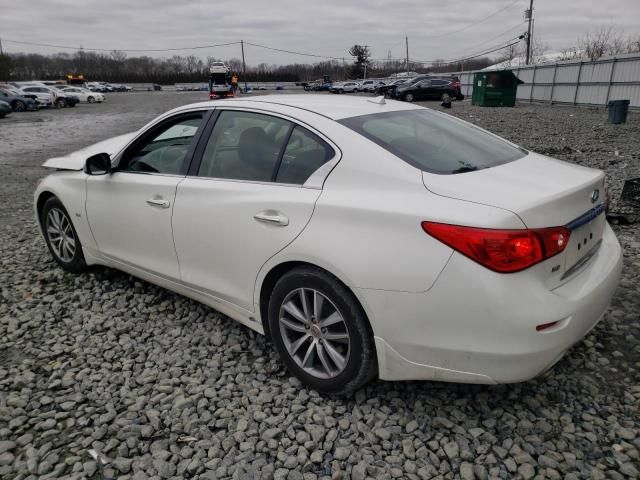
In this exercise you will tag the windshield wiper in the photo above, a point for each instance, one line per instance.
(464, 169)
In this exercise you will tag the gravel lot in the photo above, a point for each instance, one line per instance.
(164, 387)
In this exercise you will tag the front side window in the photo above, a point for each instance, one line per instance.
(434, 143)
(165, 150)
(244, 146)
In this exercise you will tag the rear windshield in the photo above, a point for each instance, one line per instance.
(434, 143)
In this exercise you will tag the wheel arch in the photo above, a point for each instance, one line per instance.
(277, 271)
(42, 198)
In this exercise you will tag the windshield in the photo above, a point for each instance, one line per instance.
(434, 143)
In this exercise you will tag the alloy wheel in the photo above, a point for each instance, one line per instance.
(409, 97)
(60, 235)
(314, 333)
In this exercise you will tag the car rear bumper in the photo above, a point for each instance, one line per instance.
(477, 326)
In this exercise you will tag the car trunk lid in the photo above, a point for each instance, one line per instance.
(543, 192)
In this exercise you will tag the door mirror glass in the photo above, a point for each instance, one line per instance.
(99, 164)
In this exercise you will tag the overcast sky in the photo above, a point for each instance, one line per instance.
(436, 28)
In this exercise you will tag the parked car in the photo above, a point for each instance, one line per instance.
(370, 85)
(421, 246)
(311, 86)
(95, 87)
(344, 87)
(389, 89)
(43, 95)
(83, 94)
(117, 87)
(322, 87)
(19, 103)
(426, 89)
(5, 109)
(63, 99)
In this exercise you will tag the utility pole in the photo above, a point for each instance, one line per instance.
(406, 38)
(365, 71)
(244, 67)
(529, 14)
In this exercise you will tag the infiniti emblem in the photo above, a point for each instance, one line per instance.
(595, 195)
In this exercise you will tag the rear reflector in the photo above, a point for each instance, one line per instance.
(503, 251)
(545, 326)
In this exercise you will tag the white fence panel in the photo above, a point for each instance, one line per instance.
(596, 72)
(541, 93)
(525, 74)
(627, 71)
(592, 94)
(576, 81)
(545, 74)
(567, 73)
(626, 92)
(564, 93)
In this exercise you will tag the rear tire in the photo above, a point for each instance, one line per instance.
(61, 237)
(409, 97)
(341, 91)
(19, 106)
(61, 103)
(327, 344)
(91, 100)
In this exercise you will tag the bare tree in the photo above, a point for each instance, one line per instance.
(118, 56)
(605, 41)
(633, 44)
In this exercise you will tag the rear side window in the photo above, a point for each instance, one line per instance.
(305, 153)
(434, 143)
(258, 147)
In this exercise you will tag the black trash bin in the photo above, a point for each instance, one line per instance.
(618, 111)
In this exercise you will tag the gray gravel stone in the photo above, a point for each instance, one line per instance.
(166, 387)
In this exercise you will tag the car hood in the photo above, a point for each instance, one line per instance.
(75, 160)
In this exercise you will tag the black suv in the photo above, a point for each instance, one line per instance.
(429, 87)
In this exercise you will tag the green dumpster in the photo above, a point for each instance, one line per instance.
(495, 89)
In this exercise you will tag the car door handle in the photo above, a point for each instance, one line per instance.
(272, 217)
(158, 202)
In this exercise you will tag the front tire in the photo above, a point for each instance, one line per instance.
(19, 106)
(62, 103)
(409, 97)
(341, 91)
(321, 332)
(91, 100)
(61, 237)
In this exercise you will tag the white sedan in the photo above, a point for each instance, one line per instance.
(367, 239)
(85, 95)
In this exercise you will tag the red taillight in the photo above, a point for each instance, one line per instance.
(504, 251)
(456, 84)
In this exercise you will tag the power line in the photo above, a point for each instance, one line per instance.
(67, 47)
(472, 56)
(483, 19)
(292, 52)
(519, 25)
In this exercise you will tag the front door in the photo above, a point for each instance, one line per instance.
(130, 210)
(245, 201)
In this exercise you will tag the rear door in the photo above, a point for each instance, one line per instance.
(247, 196)
(423, 89)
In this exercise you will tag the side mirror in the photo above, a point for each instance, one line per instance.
(98, 164)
